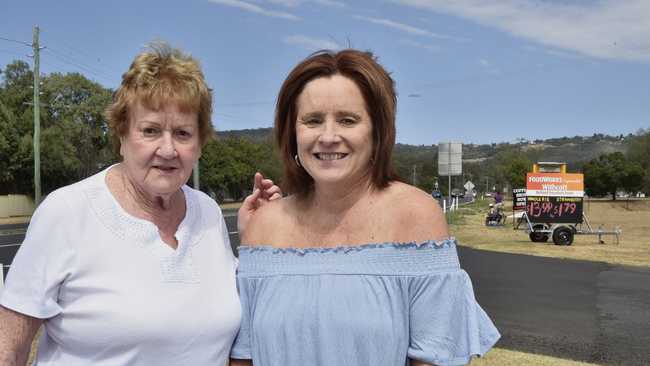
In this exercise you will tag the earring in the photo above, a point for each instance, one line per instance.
(295, 157)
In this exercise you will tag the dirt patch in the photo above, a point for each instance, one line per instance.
(633, 217)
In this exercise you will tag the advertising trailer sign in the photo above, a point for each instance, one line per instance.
(555, 184)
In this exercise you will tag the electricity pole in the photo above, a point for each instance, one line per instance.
(37, 121)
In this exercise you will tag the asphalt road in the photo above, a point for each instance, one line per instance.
(586, 311)
(579, 310)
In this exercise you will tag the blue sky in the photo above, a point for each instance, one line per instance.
(476, 71)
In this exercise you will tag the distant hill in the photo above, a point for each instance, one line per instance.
(254, 134)
(572, 150)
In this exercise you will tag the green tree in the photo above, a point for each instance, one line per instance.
(228, 165)
(639, 152)
(611, 172)
(74, 139)
(511, 168)
(423, 158)
(16, 121)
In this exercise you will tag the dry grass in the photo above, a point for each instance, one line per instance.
(502, 357)
(633, 217)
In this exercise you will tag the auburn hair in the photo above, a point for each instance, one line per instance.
(378, 91)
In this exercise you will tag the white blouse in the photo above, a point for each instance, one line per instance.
(113, 293)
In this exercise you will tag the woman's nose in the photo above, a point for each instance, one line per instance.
(167, 148)
(330, 133)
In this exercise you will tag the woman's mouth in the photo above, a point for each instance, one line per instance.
(165, 169)
(330, 156)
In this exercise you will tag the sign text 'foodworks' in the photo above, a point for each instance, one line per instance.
(555, 184)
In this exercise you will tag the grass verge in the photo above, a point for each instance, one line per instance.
(633, 217)
(503, 357)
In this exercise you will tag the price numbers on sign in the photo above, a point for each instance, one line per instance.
(554, 209)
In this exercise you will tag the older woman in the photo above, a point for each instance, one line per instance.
(354, 267)
(130, 266)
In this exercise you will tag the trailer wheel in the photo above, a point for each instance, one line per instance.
(563, 235)
(537, 237)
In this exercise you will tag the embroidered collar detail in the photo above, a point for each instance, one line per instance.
(176, 265)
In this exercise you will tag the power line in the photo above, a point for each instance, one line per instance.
(71, 61)
(68, 61)
(16, 41)
(97, 65)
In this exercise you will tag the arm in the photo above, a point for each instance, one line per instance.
(264, 191)
(16, 334)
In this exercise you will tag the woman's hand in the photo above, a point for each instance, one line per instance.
(264, 191)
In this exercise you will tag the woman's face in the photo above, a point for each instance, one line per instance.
(160, 148)
(333, 131)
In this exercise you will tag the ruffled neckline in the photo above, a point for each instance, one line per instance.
(436, 244)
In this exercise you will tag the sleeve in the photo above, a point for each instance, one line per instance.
(241, 348)
(447, 325)
(42, 263)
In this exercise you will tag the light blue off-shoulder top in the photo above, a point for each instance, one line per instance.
(374, 305)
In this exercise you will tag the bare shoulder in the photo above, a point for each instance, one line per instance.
(418, 215)
(265, 222)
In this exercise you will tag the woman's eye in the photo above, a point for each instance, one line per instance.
(348, 121)
(311, 121)
(184, 135)
(150, 132)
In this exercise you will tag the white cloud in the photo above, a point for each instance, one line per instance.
(406, 28)
(338, 4)
(255, 9)
(312, 44)
(423, 46)
(295, 3)
(287, 3)
(610, 29)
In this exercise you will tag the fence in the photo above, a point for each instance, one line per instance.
(16, 205)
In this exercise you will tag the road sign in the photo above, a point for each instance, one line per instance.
(450, 158)
(519, 199)
(469, 186)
